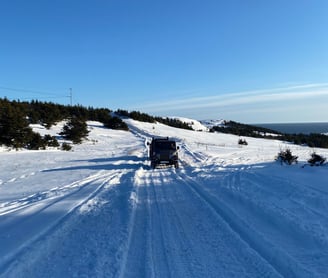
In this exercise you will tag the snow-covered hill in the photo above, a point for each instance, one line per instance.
(210, 123)
(101, 211)
(194, 124)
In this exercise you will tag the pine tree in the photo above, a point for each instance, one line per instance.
(75, 130)
(14, 127)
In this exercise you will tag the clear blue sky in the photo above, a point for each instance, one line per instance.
(246, 60)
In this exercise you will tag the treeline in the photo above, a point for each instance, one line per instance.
(243, 130)
(311, 140)
(143, 117)
(16, 117)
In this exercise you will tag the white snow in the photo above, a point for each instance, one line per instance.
(194, 124)
(101, 211)
(211, 123)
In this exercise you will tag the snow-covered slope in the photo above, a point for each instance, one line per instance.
(101, 211)
(211, 123)
(194, 124)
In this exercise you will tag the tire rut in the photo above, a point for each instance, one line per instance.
(255, 242)
(65, 236)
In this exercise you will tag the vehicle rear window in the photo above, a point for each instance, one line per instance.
(165, 145)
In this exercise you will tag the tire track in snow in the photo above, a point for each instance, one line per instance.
(241, 256)
(301, 245)
(280, 261)
(300, 229)
(145, 254)
(266, 271)
(302, 197)
(161, 236)
(268, 201)
(134, 198)
(57, 194)
(197, 243)
(164, 262)
(181, 250)
(195, 158)
(43, 215)
(150, 246)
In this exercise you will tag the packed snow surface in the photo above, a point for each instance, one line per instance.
(101, 211)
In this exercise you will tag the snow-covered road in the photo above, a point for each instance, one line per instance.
(103, 212)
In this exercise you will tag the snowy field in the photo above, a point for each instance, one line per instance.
(101, 211)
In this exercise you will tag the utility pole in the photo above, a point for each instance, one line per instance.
(71, 96)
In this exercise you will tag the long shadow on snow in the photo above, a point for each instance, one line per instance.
(112, 163)
(111, 159)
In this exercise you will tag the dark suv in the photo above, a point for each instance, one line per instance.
(163, 151)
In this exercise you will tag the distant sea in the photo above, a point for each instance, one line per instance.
(291, 128)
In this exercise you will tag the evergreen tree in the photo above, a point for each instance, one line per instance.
(115, 123)
(75, 130)
(14, 127)
(286, 156)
